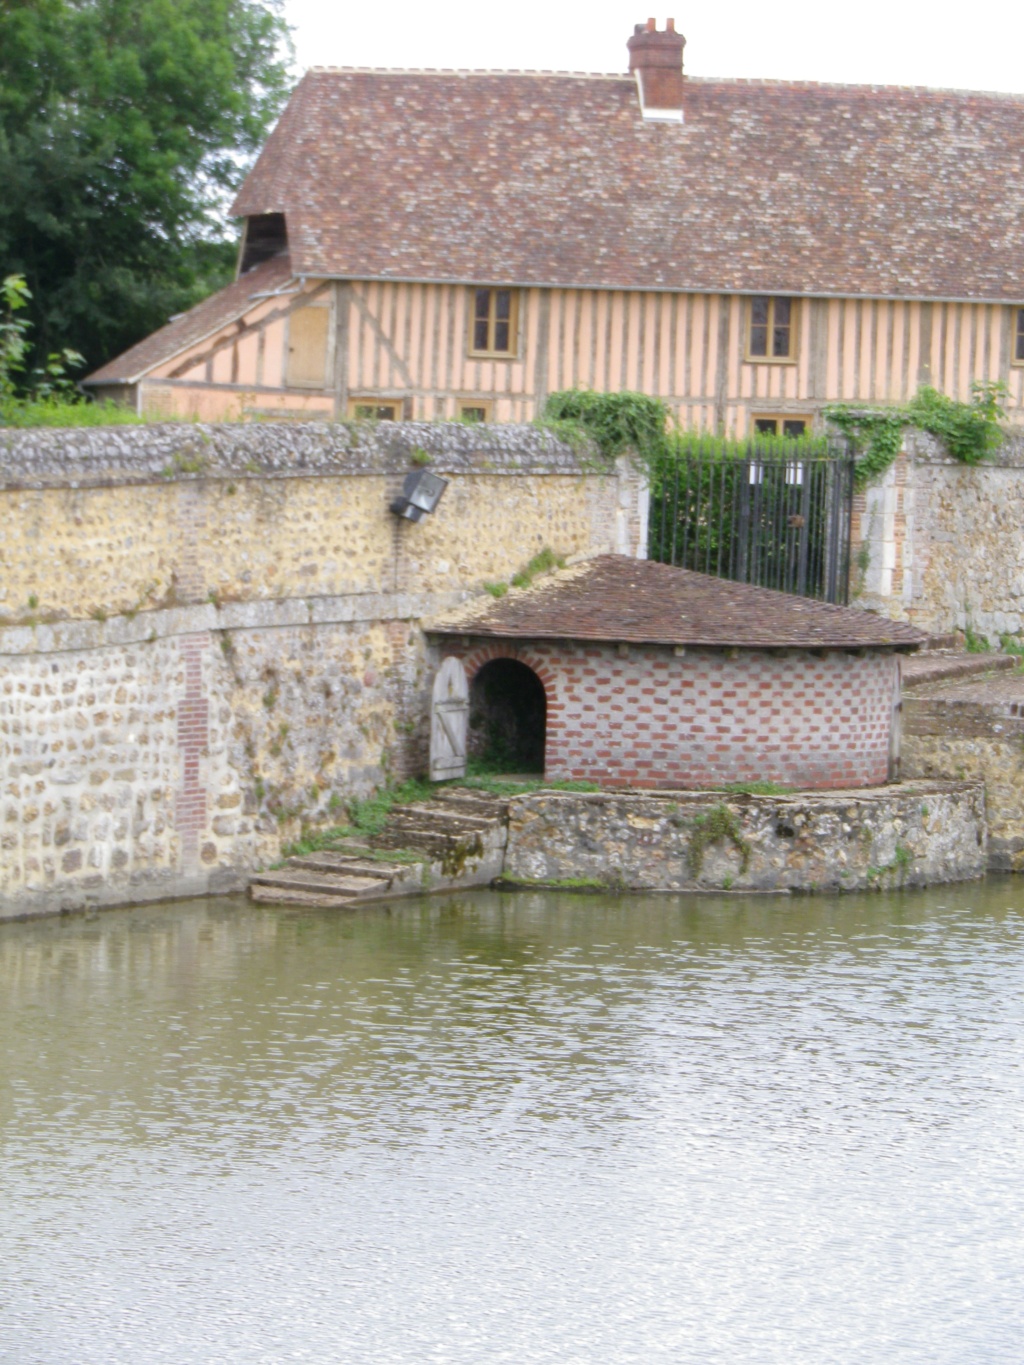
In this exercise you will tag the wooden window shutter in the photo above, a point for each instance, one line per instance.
(307, 347)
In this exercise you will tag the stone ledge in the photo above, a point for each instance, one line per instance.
(148, 627)
(923, 448)
(169, 452)
(141, 888)
(955, 719)
(931, 666)
(910, 834)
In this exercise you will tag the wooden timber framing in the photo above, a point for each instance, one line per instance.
(394, 339)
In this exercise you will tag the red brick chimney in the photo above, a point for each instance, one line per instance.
(657, 60)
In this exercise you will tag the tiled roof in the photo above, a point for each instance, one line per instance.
(203, 320)
(637, 601)
(545, 178)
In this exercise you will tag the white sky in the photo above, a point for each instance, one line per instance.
(979, 46)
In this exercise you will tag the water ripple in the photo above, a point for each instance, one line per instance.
(517, 1128)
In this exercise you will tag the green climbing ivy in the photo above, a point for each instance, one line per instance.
(613, 421)
(635, 422)
(616, 422)
(969, 431)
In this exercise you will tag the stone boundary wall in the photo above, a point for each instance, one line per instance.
(937, 543)
(909, 834)
(83, 457)
(979, 741)
(122, 520)
(209, 635)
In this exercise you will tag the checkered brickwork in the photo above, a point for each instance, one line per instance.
(646, 717)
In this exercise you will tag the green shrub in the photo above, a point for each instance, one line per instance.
(614, 421)
(541, 563)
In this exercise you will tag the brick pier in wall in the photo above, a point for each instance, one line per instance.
(190, 808)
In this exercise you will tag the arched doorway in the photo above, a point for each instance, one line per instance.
(507, 717)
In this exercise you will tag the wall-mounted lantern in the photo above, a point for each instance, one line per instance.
(421, 492)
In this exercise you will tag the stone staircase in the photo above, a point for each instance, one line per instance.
(443, 827)
(456, 839)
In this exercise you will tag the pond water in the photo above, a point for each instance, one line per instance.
(517, 1128)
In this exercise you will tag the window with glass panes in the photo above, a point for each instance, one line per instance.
(474, 410)
(494, 322)
(1018, 350)
(792, 427)
(772, 332)
(373, 410)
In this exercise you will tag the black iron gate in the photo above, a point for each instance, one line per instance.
(772, 512)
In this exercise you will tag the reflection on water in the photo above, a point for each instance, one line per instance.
(517, 1128)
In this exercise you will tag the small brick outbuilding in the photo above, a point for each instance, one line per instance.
(627, 672)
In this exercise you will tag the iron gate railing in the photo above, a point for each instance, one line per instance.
(771, 512)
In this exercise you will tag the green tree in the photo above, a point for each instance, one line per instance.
(14, 296)
(124, 126)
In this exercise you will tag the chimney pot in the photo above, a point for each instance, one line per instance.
(656, 60)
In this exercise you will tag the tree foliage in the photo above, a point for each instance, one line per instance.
(14, 297)
(124, 125)
(46, 395)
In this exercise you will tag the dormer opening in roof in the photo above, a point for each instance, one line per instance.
(656, 59)
(264, 235)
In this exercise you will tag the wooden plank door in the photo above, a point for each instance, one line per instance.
(449, 722)
(896, 732)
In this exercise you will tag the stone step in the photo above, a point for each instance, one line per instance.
(423, 840)
(942, 642)
(285, 895)
(326, 883)
(410, 833)
(457, 821)
(442, 821)
(345, 863)
(443, 817)
(382, 870)
(930, 667)
(406, 829)
(490, 810)
(470, 797)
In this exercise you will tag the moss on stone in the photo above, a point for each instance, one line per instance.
(554, 884)
(719, 823)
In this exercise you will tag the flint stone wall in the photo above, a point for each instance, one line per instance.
(913, 834)
(209, 636)
(981, 742)
(938, 543)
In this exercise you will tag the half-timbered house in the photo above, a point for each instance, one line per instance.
(445, 244)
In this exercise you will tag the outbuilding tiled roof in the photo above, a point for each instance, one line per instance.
(638, 601)
(555, 179)
(203, 320)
